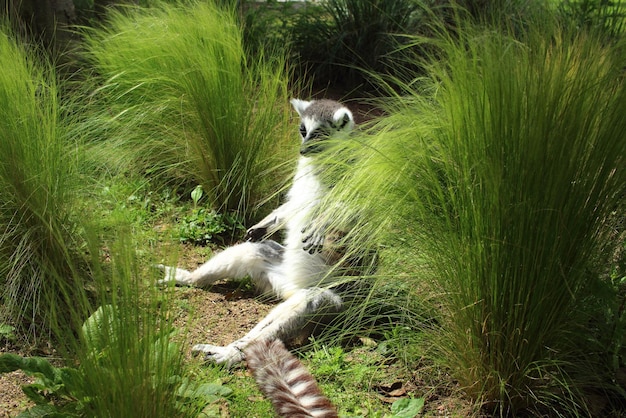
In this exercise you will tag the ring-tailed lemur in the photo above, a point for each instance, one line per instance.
(284, 380)
(294, 271)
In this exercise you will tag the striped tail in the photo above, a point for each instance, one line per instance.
(285, 381)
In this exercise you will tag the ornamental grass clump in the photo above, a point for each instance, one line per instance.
(505, 171)
(38, 235)
(129, 361)
(184, 105)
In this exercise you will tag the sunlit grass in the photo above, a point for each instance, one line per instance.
(57, 268)
(503, 171)
(129, 362)
(185, 106)
(38, 240)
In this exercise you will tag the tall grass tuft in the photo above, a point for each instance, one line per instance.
(120, 354)
(186, 106)
(38, 240)
(130, 364)
(504, 170)
(122, 361)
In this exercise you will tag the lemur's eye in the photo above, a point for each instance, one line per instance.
(302, 130)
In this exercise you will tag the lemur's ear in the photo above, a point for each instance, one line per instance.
(300, 105)
(343, 118)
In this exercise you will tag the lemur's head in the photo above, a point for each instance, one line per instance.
(320, 119)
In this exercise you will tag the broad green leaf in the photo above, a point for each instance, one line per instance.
(407, 408)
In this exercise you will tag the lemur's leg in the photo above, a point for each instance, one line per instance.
(252, 259)
(286, 320)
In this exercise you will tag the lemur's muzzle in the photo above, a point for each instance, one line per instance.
(311, 147)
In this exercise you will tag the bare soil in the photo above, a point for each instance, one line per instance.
(12, 399)
(219, 315)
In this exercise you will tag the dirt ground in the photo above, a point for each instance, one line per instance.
(219, 315)
(12, 399)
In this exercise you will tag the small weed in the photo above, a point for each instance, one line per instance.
(7, 332)
(54, 390)
(245, 399)
(347, 378)
(202, 226)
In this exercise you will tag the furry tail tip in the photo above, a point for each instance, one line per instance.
(286, 382)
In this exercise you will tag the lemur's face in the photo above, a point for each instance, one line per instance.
(320, 119)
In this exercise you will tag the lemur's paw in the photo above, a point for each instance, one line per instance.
(312, 240)
(172, 274)
(229, 355)
(255, 234)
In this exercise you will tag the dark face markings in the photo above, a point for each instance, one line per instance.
(315, 134)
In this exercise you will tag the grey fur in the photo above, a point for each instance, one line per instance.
(323, 109)
(272, 250)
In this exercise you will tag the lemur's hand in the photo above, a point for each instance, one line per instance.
(255, 234)
(260, 231)
(313, 241)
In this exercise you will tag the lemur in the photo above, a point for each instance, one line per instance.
(295, 271)
(286, 382)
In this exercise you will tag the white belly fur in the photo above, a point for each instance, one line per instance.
(299, 269)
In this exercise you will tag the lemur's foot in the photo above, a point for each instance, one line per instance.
(229, 355)
(173, 274)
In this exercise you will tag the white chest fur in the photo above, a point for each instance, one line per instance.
(299, 268)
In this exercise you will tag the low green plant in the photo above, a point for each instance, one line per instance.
(203, 226)
(7, 332)
(245, 398)
(54, 390)
(407, 407)
(184, 105)
(503, 170)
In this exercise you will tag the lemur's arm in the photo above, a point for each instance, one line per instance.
(272, 223)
